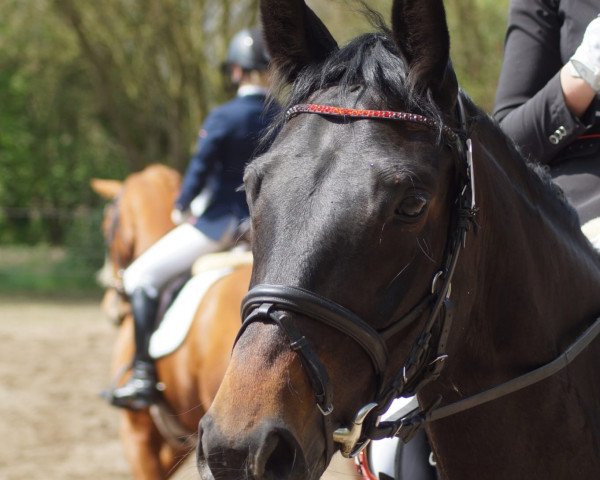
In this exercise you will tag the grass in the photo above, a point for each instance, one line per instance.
(47, 271)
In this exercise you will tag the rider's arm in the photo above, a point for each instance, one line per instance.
(531, 106)
(206, 156)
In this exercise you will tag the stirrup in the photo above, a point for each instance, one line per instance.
(136, 394)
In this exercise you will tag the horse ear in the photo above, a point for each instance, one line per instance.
(420, 30)
(295, 36)
(107, 189)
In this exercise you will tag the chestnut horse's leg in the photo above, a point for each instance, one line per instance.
(193, 374)
(149, 456)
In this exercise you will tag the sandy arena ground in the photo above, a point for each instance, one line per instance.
(54, 359)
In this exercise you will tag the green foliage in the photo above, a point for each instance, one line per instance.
(50, 143)
(45, 270)
(100, 89)
(50, 270)
(476, 27)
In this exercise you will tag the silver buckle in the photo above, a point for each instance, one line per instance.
(471, 170)
(326, 412)
(348, 438)
(434, 284)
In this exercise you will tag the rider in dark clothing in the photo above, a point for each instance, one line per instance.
(547, 96)
(227, 141)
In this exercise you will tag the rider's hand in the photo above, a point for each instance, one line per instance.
(586, 60)
(177, 216)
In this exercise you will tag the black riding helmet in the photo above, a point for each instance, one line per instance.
(247, 49)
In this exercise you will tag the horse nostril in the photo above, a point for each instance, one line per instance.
(279, 458)
(201, 457)
(280, 464)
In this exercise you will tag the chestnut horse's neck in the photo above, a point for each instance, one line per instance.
(144, 208)
(526, 287)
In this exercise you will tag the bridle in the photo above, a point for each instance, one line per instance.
(272, 303)
(116, 280)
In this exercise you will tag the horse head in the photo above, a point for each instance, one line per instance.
(359, 212)
(351, 210)
(137, 215)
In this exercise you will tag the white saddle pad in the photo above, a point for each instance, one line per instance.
(592, 231)
(179, 317)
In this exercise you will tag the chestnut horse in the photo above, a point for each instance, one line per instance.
(383, 172)
(138, 216)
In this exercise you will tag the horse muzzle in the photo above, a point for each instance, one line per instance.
(268, 452)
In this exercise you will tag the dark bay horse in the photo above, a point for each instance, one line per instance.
(138, 216)
(387, 246)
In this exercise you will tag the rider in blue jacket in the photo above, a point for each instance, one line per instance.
(230, 137)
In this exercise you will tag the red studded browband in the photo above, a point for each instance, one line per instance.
(367, 114)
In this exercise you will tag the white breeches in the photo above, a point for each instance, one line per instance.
(172, 255)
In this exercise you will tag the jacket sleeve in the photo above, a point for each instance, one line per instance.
(530, 105)
(204, 160)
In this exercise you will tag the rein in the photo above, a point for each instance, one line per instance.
(116, 280)
(271, 303)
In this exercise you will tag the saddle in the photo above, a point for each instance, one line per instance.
(184, 295)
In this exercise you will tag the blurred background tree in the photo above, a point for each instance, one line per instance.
(477, 29)
(103, 88)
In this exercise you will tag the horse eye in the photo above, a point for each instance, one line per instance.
(412, 207)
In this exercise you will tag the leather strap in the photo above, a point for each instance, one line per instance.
(519, 383)
(405, 424)
(332, 111)
(401, 324)
(307, 303)
(314, 369)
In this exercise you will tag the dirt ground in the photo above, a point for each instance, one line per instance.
(54, 359)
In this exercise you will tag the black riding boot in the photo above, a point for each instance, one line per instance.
(140, 391)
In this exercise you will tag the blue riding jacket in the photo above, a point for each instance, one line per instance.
(229, 139)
